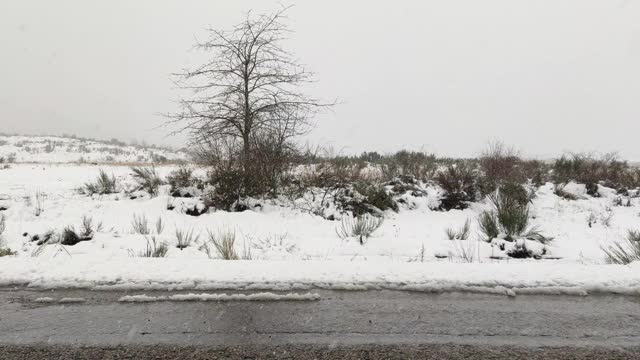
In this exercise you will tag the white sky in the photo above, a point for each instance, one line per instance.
(546, 76)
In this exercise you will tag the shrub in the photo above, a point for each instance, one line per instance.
(489, 226)
(88, 228)
(510, 218)
(140, 224)
(227, 190)
(154, 249)
(185, 238)
(224, 244)
(69, 237)
(6, 252)
(180, 178)
(460, 234)
(516, 192)
(147, 179)
(458, 183)
(361, 227)
(376, 196)
(103, 185)
(3, 225)
(408, 163)
(624, 252)
(499, 164)
(591, 170)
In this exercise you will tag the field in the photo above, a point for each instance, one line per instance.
(59, 234)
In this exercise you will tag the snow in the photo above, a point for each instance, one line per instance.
(45, 300)
(71, 300)
(263, 296)
(293, 249)
(54, 149)
(517, 277)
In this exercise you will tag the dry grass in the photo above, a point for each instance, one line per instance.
(626, 251)
(460, 234)
(140, 225)
(360, 227)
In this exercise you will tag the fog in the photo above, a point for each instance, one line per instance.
(439, 76)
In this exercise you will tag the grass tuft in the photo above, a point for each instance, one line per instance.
(361, 227)
(626, 251)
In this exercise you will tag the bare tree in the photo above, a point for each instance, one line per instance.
(249, 88)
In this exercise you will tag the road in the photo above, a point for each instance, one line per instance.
(341, 325)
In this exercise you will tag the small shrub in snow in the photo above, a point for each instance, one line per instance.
(509, 220)
(227, 190)
(500, 164)
(104, 184)
(3, 251)
(154, 249)
(458, 183)
(185, 238)
(88, 228)
(466, 251)
(460, 234)
(626, 251)
(376, 196)
(69, 237)
(360, 227)
(180, 179)
(140, 224)
(591, 170)
(147, 179)
(223, 243)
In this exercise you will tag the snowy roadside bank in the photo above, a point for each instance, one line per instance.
(530, 277)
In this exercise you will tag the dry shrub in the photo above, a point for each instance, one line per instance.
(459, 184)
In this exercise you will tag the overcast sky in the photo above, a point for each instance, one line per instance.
(439, 76)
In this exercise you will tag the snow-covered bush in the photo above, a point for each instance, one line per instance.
(360, 227)
(626, 251)
(147, 179)
(458, 182)
(592, 170)
(227, 190)
(104, 184)
(182, 182)
(509, 222)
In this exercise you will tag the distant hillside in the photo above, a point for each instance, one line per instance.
(56, 149)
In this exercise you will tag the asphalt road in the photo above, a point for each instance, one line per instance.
(341, 325)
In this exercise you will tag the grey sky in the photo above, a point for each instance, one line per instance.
(443, 76)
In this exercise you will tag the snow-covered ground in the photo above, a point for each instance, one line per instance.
(293, 249)
(54, 149)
